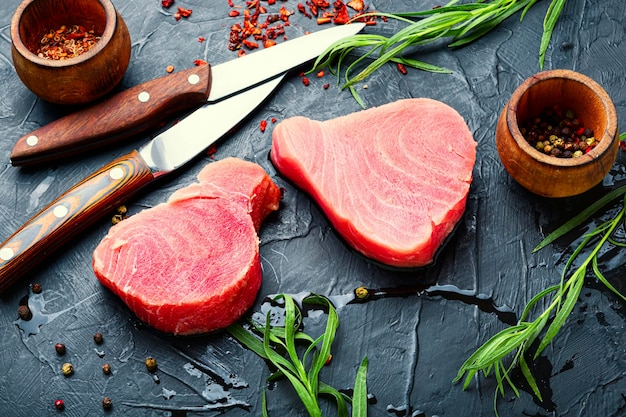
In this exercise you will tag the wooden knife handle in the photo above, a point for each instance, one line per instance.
(117, 117)
(71, 213)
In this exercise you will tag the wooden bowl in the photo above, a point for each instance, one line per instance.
(80, 79)
(551, 176)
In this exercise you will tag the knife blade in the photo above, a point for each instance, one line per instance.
(146, 105)
(105, 189)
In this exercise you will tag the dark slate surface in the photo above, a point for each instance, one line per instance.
(415, 343)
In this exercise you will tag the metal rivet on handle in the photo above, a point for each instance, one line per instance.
(60, 211)
(116, 173)
(32, 140)
(144, 96)
(6, 254)
(193, 79)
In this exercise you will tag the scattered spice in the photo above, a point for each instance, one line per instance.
(59, 404)
(24, 312)
(167, 3)
(66, 42)
(273, 120)
(67, 369)
(36, 288)
(263, 125)
(151, 364)
(199, 62)
(326, 86)
(106, 369)
(201, 39)
(401, 68)
(320, 74)
(169, 69)
(98, 338)
(329, 359)
(559, 133)
(107, 403)
(182, 12)
(306, 81)
(60, 348)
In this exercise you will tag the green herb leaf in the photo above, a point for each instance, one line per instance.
(359, 402)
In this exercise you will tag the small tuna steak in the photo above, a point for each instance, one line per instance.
(192, 265)
(393, 180)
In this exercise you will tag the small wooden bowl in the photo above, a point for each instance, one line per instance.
(547, 175)
(80, 79)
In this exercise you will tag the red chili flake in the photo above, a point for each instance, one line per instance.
(201, 39)
(177, 16)
(234, 13)
(59, 404)
(211, 151)
(356, 5)
(305, 81)
(167, 3)
(249, 44)
(198, 62)
(230, 3)
(326, 86)
(184, 12)
(320, 74)
(341, 13)
(268, 43)
(241, 53)
(263, 125)
(401, 68)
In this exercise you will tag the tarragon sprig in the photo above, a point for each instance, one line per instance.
(303, 372)
(463, 23)
(516, 342)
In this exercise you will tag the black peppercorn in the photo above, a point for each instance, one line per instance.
(60, 348)
(98, 338)
(107, 403)
(24, 312)
(106, 368)
(36, 288)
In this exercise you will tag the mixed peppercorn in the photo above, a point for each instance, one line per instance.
(559, 133)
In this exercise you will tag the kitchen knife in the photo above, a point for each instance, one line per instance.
(146, 105)
(105, 189)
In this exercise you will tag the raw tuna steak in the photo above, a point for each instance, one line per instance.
(393, 180)
(192, 265)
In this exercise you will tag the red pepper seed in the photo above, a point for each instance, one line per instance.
(59, 404)
(401, 68)
(263, 125)
(305, 81)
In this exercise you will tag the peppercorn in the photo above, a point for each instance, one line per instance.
(361, 293)
(107, 403)
(36, 288)
(59, 404)
(151, 364)
(60, 348)
(106, 368)
(98, 338)
(24, 312)
(67, 369)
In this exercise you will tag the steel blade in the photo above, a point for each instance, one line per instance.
(249, 70)
(196, 132)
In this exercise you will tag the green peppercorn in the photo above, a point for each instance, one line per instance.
(151, 364)
(67, 369)
(547, 149)
(361, 293)
(539, 146)
(577, 154)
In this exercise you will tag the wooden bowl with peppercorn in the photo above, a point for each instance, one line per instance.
(69, 52)
(557, 135)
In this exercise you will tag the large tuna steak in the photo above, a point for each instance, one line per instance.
(393, 180)
(192, 265)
